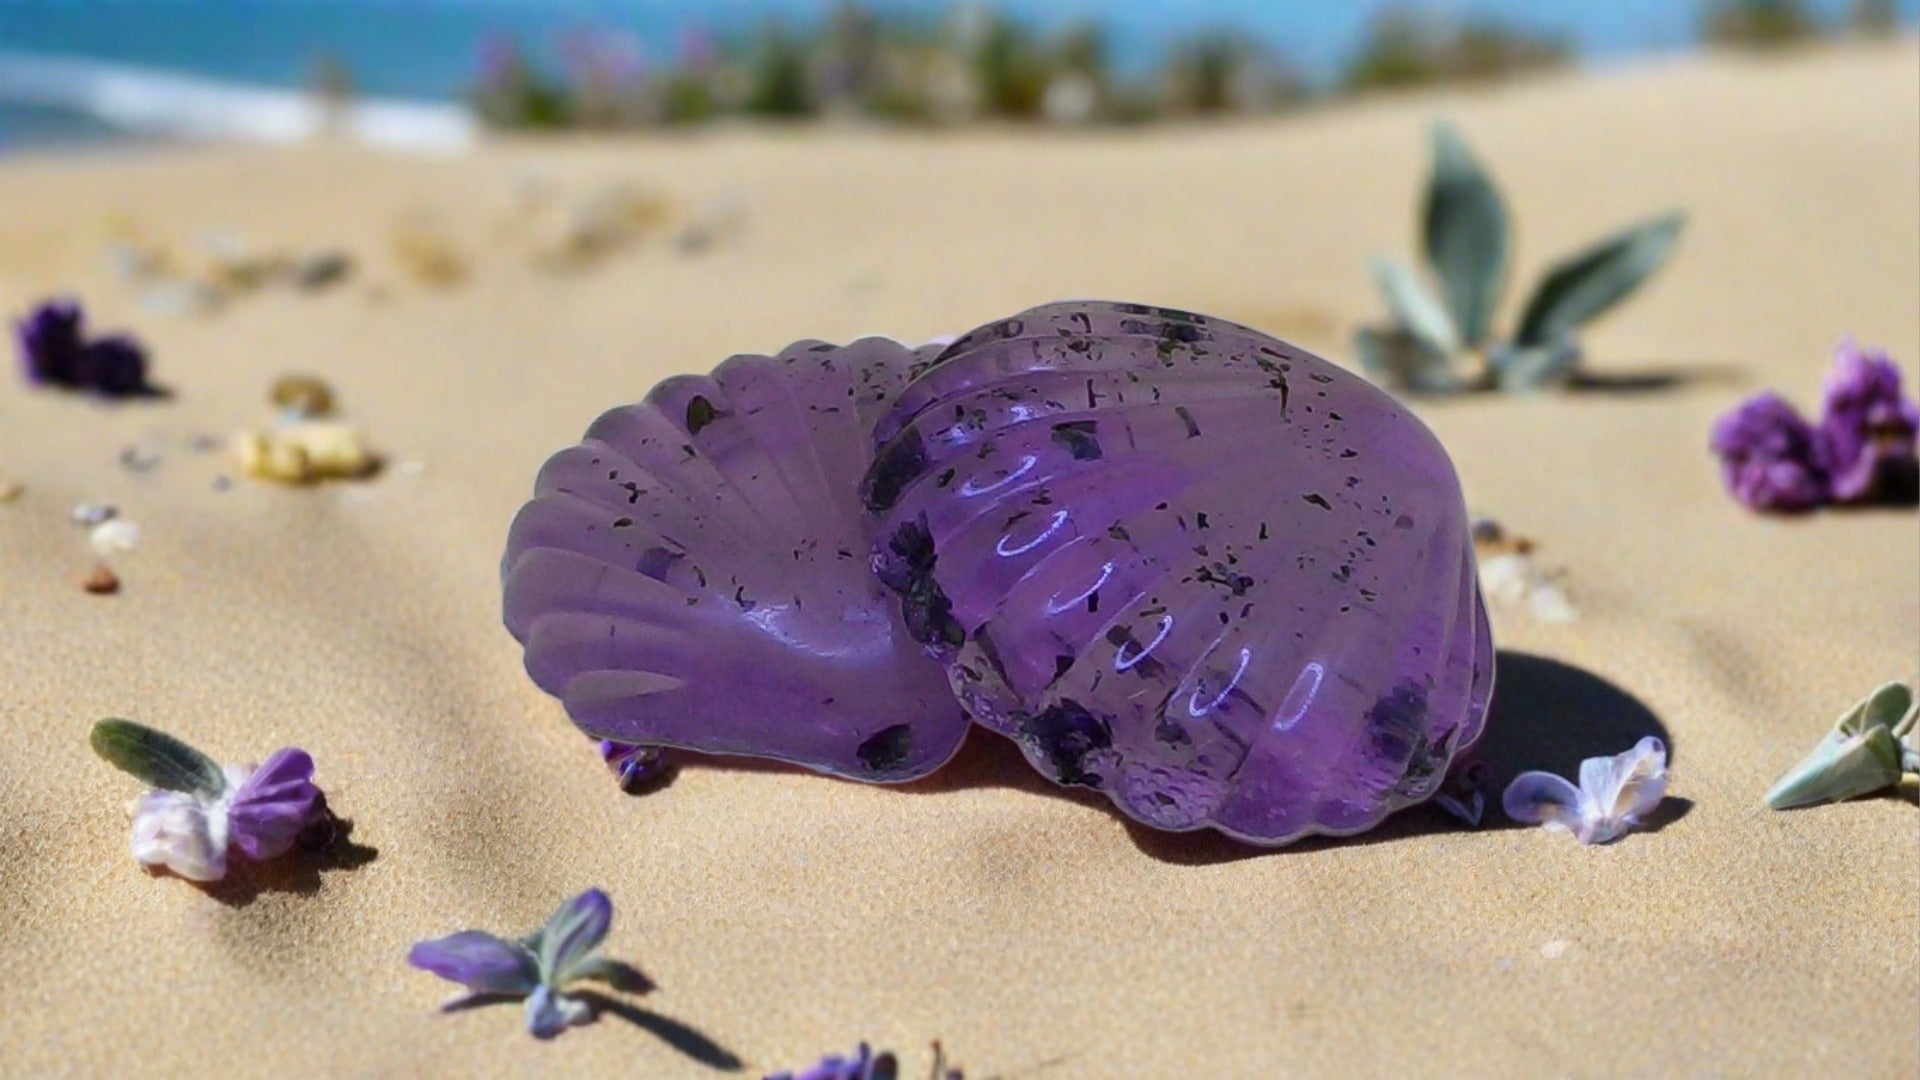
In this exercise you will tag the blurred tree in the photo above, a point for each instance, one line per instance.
(1010, 69)
(1402, 49)
(1757, 24)
(779, 77)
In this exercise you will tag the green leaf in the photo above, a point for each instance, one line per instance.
(1465, 225)
(1841, 767)
(157, 758)
(1578, 289)
(1419, 312)
(1887, 707)
(1398, 360)
(1525, 368)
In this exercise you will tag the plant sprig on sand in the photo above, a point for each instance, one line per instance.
(1465, 230)
(1871, 748)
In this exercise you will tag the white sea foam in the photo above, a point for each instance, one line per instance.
(191, 107)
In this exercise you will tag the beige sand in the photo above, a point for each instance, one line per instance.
(783, 914)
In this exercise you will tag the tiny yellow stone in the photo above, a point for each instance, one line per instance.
(305, 395)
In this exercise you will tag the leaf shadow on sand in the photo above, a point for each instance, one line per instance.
(681, 1036)
(1546, 715)
(1658, 378)
(298, 871)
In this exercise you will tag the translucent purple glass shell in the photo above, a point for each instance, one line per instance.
(695, 573)
(1220, 579)
(1176, 560)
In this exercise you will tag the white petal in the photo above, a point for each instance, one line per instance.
(1541, 798)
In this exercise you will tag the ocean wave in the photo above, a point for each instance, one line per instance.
(167, 103)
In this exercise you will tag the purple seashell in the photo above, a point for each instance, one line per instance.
(694, 573)
(275, 805)
(1211, 575)
(1767, 457)
(1217, 578)
(1865, 441)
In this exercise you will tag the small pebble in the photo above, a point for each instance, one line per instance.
(101, 582)
(305, 396)
(319, 271)
(91, 514)
(116, 537)
(9, 490)
(1487, 531)
(139, 458)
(305, 452)
(1554, 950)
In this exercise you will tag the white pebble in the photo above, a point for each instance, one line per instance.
(115, 537)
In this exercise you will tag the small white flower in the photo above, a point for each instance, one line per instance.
(1615, 794)
(187, 832)
(1513, 578)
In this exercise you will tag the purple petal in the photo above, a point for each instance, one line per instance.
(1541, 798)
(275, 805)
(479, 961)
(1767, 456)
(568, 940)
(861, 1066)
(1866, 438)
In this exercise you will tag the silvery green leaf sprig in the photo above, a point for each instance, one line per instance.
(1871, 748)
(538, 968)
(1434, 341)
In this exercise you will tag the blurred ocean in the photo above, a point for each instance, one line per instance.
(80, 70)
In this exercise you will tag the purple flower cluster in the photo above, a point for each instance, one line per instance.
(54, 351)
(1861, 451)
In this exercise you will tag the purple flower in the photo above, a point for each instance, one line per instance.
(201, 809)
(538, 968)
(1767, 458)
(50, 341)
(54, 352)
(636, 766)
(1615, 794)
(1865, 442)
(114, 366)
(275, 805)
(863, 1065)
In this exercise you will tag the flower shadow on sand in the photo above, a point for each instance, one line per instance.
(1546, 715)
(298, 871)
(681, 1036)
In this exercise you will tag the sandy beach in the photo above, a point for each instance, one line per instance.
(1036, 933)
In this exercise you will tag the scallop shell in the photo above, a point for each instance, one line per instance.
(1201, 570)
(694, 573)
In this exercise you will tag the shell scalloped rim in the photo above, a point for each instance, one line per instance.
(694, 573)
(1176, 560)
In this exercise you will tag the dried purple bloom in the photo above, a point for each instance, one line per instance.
(55, 352)
(1865, 441)
(1767, 456)
(1615, 794)
(113, 366)
(538, 968)
(275, 804)
(50, 341)
(637, 767)
(202, 809)
(863, 1065)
